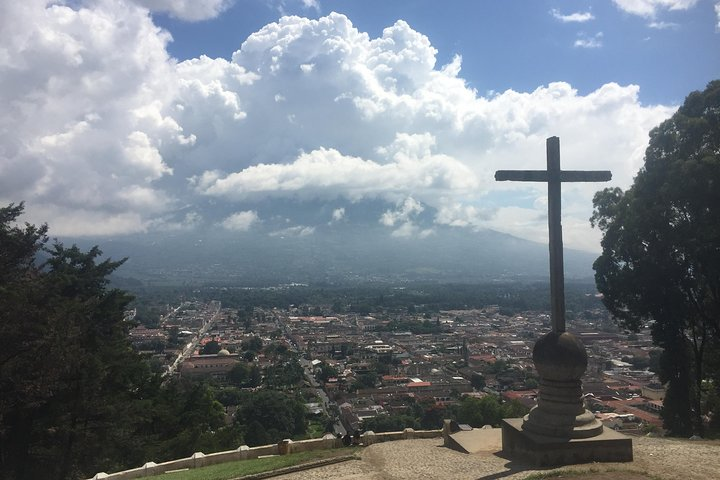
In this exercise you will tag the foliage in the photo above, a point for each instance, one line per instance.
(252, 344)
(488, 410)
(390, 423)
(477, 380)
(326, 372)
(268, 416)
(661, 262)
(244, 375)
(186, 417)
(210, 348)
(67, 371)
(283, 376)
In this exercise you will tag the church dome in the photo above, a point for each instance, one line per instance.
(223, 353)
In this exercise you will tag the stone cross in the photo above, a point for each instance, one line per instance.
(554, 177)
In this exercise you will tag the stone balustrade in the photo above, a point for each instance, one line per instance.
(284, 447)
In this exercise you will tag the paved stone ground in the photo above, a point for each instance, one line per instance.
(428, 459)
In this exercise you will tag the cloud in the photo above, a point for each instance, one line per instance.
(577, 17)
(650, 8)
(296, 231)
(337, 215)
(326, 173)
(104, 133)
(403, 219)
(589, 42)
(717, 12)
(314, 4)
(188, 10)
(663, 25)
(83, 124)
(240, 221)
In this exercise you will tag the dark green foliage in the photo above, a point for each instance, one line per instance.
(244, 375)
(210, 348)
(478, 412)
(182, 415)
(390, 423)
(67, 372)
(326, 372)
(661, 251)
(253, 344)
(284, 375)
(270, 416)
(477, 380)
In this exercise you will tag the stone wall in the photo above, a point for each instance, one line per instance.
(285, 447)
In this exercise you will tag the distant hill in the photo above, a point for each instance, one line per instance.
(347, 255)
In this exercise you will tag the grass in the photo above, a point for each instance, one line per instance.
(229, 470)
(590, 473)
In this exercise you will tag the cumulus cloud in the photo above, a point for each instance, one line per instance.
(577, 17)
(717, 12)
(104, 133)
(650, 8)
(240, 221)
(83, 123)
(188, 10)
(326, 173)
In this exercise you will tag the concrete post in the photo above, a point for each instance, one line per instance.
(284, 447)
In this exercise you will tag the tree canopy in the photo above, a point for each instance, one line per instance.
(75, 398)
(660, 262)
(67, 372)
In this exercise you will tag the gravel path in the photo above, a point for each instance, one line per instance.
(428, 459)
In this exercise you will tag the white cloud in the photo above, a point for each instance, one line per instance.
(296, 231)
(403, 219)
(83, 121)
(189, 10)
(589, 42)
(650, 8)
(663, 25)
(240, 221)
(326, 173)
(104, 133)
(577, 17)
(314, 4)
(717, 12)
(338, 214)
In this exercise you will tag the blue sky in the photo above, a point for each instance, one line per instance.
(512, 44)
(296, 117)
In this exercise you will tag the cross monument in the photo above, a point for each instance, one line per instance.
(560, 358)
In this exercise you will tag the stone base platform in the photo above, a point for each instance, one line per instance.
(542, 451)
(477, 440)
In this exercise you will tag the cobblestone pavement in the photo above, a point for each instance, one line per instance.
(428, 459)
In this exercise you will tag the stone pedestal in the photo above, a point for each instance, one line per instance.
(560, 430)
(560, 360)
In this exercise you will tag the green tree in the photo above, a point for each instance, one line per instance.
(478, 412)
(270, 416)
(210, 348)
(477, 380)
(253, 344)
(390, 423)
(660, 262)
(67, 371)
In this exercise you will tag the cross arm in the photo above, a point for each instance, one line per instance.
(542, 175)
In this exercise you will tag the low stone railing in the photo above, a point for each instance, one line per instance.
(284, 447)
